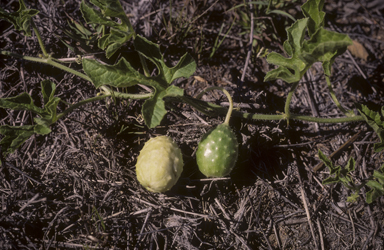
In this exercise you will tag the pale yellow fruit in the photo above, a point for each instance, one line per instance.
(159, 164)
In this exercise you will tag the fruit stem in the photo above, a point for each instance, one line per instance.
(229, 113)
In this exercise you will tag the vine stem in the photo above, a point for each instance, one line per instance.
(229, 113)
(203, 107)
(48, 61)
(212, 109)
(40, 40)
(101, 97)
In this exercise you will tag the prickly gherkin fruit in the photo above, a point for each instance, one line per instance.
(217, 152)
(159, 164)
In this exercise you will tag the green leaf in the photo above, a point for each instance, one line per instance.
(112, 8)
(293, 68)
(283, 13)
(24, 101)
(376, 122)
(15, 136)
(113, 41)
(313, 10)
(115, 36)
(324, 46)
(122, 74)
(50, 113)
(379, 174)
(120, 32)
(21, 102)
(353, 197)
(93, 16)
(331, 179)
(48, 89)
(153, 109)
(349, 167)
(22, 19)
(328, 163)
(184, 68)
(377, 190)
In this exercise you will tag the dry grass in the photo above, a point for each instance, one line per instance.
(76, 188)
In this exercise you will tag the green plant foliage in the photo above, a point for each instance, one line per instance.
(123, 74)
(376, 121)
(119, 33)
(376, 185)
(340, 174)
(322, 46)
(313, 10)
(184, 68)
(111, 28)
(21, 19)
(17, 135)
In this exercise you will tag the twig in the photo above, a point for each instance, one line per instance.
(313, 106)
(222, 209)
(21, 172)
(344, 146)
(320, 233)
(276, 235)
(49, 163)
(249, 46)
(353, 229)
(372, 232)
(347, 220)
(308, 215)
(142, 228)
(190, 213)
(202, 14)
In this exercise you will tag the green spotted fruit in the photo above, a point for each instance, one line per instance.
(217, 152)
(159, 164)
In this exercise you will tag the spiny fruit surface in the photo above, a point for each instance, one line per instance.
(159, 164)
(217, 152)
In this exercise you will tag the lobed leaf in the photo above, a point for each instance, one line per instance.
(184, 68)
(93, 16)
(153, 109)
(340, 174)
(377, 190)
(331, 180)
(48, 89)
(21, 19)
(293, 68)
(322, 46)
(21, 102)
(313, 10)
(120, 32)
(377, 187)
(15, 136)
(328, 163)
(375, 120)
(122, 74)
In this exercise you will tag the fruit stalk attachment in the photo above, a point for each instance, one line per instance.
(217, 151)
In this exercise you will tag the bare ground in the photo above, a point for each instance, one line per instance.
(76, 187)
